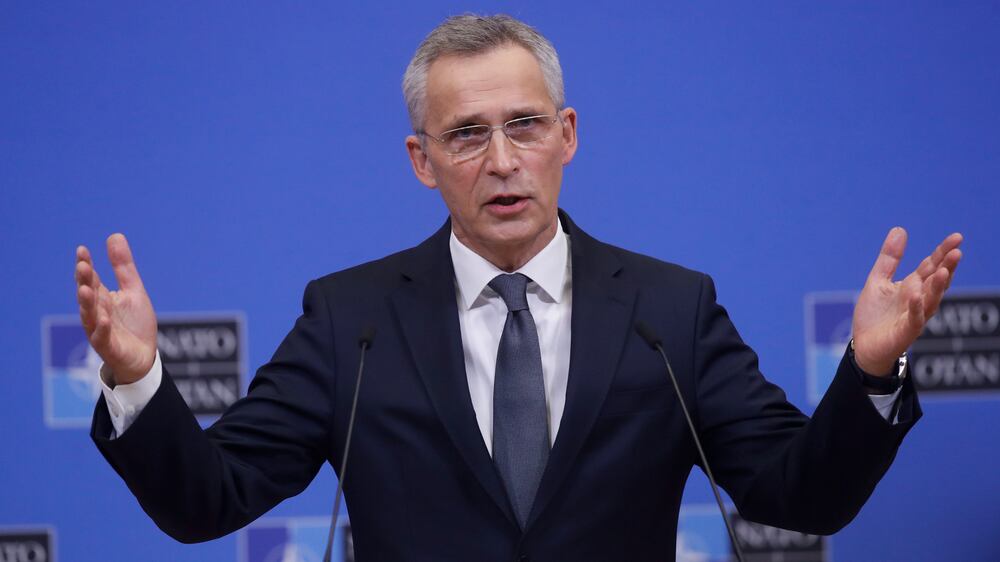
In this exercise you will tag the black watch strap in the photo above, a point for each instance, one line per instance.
(881, 385)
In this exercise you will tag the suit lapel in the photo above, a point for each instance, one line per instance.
(602, 317)
(426, 307)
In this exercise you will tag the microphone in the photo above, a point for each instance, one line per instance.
(365, 343)
(656, 344)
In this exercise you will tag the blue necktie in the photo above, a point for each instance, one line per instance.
(520, 418)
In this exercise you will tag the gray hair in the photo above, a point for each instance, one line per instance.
(468, 35)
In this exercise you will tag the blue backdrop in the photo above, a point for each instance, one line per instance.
(241, 145)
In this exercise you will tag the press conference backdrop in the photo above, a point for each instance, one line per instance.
(246, 148)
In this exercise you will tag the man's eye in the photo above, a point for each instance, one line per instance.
(465, 134)
(519, 124)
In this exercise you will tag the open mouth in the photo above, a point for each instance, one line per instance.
(506, 200)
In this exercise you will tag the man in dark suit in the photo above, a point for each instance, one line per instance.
(509, 409)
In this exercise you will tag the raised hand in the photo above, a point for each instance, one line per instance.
(889, 315)
(120, 325)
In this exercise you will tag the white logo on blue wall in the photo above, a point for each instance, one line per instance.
(69, 370)
(958, 353)
(702, 537)
(294, 539)
(828, 331)
(204, 353)
(27, 544)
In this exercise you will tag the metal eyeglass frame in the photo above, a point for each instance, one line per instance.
(489, 138)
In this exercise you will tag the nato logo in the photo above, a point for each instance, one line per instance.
(294, 539)
(828, 332)
(204, 354)
(69, 372)
(702, 537)
(27, 544)
(959, 351)
(957, 354)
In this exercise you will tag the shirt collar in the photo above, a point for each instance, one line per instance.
(547, 269)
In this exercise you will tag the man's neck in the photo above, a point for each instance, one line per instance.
(513, 257)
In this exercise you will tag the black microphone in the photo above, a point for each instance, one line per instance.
(365, 343)
(657, 345)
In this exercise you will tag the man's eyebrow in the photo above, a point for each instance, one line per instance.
(513, 112)
(523, 111)
(458, 121)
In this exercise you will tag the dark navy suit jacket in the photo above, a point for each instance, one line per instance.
(421, 484)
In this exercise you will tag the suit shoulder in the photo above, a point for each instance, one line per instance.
(374, 276)
(648, 268)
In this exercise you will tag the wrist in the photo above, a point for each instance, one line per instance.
(129, 374)
(884, 380)
(873, 367)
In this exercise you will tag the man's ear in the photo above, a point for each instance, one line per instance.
(422, 166)
(568, 134)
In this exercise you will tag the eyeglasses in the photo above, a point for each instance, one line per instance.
(523, 132)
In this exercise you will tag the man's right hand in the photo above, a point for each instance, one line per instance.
(120, 325)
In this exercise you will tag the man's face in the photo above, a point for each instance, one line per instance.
(491, 89)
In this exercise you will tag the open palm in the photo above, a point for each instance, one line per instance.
(889, 315)
(120, 325)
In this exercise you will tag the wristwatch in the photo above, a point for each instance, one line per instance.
(881, 385)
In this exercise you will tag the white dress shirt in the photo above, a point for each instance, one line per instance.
(481, 314)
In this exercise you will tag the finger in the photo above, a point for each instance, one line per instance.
(931, 263)
(85, 273)
(890, 254)
(915, 307)
(83, 254)
(935, 287)
(102, 330)
(941, 280)
(80, 273)
(124, 265)
(951, 259)
(953, 240)
(950, 264)
(87, 300)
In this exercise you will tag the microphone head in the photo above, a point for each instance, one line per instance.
(367, 336)
(647, 334)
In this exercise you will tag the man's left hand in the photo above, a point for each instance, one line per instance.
(890, 315)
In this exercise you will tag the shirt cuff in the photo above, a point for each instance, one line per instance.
(126, 401)
(884, 403)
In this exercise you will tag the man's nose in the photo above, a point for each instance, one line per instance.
(501, 155)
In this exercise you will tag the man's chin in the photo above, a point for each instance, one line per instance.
(515, 234)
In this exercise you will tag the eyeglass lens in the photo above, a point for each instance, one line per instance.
(522, 132)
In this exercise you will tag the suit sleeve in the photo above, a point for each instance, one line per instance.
(199, 484)
(780, 467)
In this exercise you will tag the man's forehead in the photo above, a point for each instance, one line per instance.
(507, 50)
(501, 83)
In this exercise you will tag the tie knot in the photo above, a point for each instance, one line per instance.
(512, 288)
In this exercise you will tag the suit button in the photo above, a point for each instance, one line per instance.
(523, 558)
